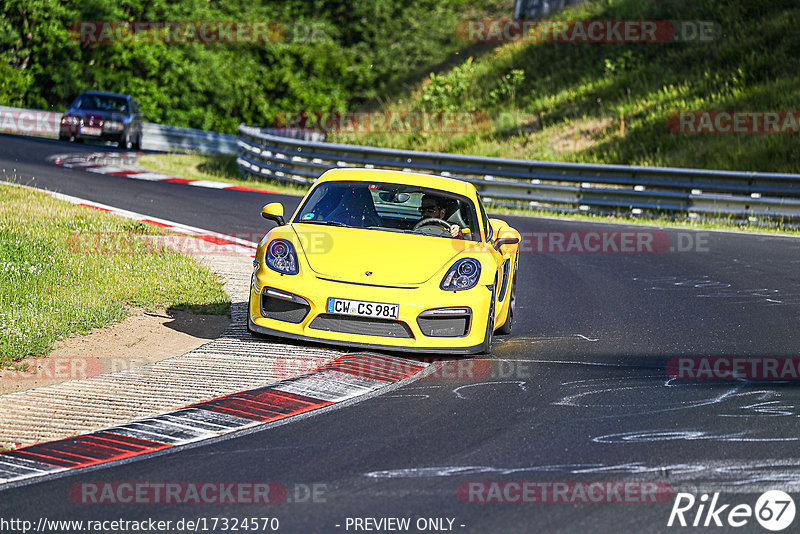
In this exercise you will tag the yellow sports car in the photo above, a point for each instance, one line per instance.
(386, 260)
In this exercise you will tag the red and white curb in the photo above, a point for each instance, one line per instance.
(117, 163)
(233, 244)
(347, 377)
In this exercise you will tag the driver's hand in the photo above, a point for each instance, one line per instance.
(455, 230)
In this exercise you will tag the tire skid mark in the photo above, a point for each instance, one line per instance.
(733, 475)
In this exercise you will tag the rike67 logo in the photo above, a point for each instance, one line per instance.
(774, 510)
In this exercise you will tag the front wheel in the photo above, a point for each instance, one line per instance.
(486, 348)
(508, 325)
(125, 141)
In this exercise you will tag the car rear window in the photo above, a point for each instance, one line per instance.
(112, 104)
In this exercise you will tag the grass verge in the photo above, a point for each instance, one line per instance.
(67, 269)
(612, 102)
(220, 168)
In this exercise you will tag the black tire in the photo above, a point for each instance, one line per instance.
(509, 324)
(64, 138)
(125, 141)
(137, 145)
(486, 348)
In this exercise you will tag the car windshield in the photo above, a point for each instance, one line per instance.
(113, 104)
(390, 207)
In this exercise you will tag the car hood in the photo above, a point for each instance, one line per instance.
(394, 259)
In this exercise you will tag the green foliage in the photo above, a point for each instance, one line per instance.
(335, 55)
(444, 92)
(14, 83)
(626, 61)
(507, 89)
(611, 102)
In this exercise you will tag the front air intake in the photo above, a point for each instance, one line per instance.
(283, 306)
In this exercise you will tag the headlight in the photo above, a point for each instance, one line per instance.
(464, 274)
(69, 120)
(281, 257)
(112, 125)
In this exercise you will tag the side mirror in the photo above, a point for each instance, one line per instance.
(505, 241)
(274, 212)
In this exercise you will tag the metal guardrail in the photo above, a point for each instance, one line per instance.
(177, 139)
(539, 184)
(156, 137)
(164, 138)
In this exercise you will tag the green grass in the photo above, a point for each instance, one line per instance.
(66, 269)
(220, 168)
(609, 103)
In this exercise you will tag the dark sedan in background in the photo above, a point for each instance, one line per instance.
(100, 116)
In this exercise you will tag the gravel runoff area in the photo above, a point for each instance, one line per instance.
(233, 362)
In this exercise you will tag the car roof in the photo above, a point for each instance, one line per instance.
(105, 93)
(399, 177)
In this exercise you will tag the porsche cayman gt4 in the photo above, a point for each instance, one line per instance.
(386, 260)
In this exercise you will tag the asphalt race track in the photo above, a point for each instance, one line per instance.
(579, 393)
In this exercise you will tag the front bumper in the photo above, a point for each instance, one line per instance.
(370, 346)
(314, 323)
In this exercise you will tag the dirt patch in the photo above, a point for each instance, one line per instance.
(142, 338)
(579, 135)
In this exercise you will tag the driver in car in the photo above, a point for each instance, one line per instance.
(433, 208)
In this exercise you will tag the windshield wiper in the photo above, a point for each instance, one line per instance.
(327, 223)
(389, 229)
